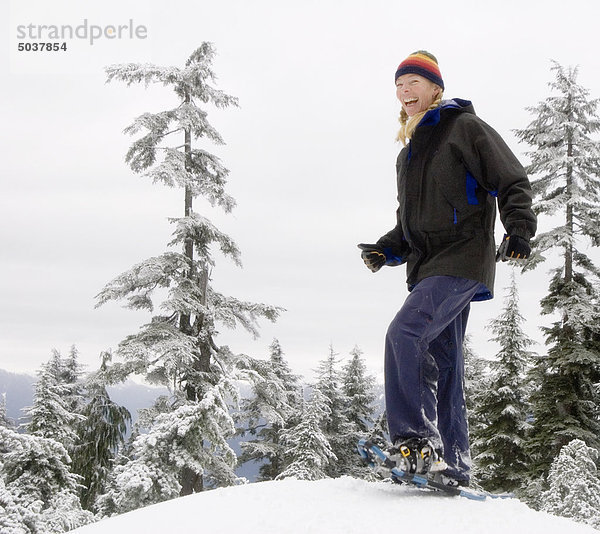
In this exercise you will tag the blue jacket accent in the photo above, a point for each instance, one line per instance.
(472, 190)
(432, 117)
(392, 259)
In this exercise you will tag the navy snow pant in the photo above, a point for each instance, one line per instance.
(424, 368)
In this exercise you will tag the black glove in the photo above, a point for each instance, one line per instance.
(513, 247)
(375, 256)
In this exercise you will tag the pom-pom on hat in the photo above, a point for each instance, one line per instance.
(422, 63)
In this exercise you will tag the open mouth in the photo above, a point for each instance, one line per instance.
(410, 101)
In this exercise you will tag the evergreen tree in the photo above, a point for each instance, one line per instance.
(501, 457)
(14, 517)
(358, 389)
(71, 374)
(276, 398)
(51, 416)
(177, 349)
(38, 490)
(4, 419)
(574, 484)
(308, 452)
(338, 430)
(179, 434)
(72, 370)
(565, 161)
(476, 384)
(100, 435)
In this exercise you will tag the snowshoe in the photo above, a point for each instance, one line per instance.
(385, 468)
(417, 456)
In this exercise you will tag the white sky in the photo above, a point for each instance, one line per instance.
(311, 153)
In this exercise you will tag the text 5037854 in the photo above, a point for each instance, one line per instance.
(41, 47)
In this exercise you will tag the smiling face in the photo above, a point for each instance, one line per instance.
(415, 93)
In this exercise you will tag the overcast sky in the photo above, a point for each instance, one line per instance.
(311, 152)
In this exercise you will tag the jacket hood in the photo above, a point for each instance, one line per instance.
(458, 103)
(432, 117)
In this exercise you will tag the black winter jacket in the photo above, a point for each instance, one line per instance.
(449, 177)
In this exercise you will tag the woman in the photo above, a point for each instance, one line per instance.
(449, 174)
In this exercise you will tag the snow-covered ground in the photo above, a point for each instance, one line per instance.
(343, 505)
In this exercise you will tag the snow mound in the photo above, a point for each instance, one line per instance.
(344, 505)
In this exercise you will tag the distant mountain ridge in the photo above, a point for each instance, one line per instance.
(20, 387)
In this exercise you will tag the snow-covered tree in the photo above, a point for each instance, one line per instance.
(4, 419)
(177, 348)
(308, 452)
(38, 490)
(71, 367)
(137, 483)
(358, 389)
(501, 457)
(476, 383)
(340, 432)
(574, 484)
(329, 383)
(357, 386)
(276, 399)
(51, 415)
(178, 433)
(14, 518)
(100, 435)
(565, 164)
(71, 375)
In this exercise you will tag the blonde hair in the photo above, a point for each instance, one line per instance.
(409, 124)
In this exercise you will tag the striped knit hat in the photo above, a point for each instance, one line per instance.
(422, 63)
